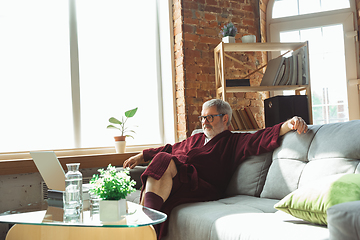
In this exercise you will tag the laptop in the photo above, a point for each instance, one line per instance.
(54, 175)
(50, 169)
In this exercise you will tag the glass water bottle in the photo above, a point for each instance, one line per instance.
(73, 190)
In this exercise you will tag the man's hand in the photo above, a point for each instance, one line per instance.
(134, 161)
(295, 123)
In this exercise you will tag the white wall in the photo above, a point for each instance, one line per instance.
(18, 190)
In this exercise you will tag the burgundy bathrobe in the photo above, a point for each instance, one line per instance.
(204, 171)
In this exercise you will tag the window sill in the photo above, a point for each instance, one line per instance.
(19, 163)
(20, 166)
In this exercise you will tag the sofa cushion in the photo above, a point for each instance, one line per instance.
(311, 202)
(266, 226)
(242, 218)
(288, 163)
(199, 220)
(324, 150)
(344, 221)
(249, 177)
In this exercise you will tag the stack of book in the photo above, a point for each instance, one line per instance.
(290, 70)
(243, 119)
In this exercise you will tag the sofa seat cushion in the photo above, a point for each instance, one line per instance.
(201, 220)
(267, 226)
(241, 217)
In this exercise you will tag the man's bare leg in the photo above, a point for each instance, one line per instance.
(163, 186)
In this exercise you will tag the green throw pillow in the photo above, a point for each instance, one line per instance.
(311, 202)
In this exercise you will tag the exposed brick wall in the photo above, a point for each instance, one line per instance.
(358, 17)
(179, 69)
(197, 26)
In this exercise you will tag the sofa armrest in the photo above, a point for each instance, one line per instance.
(344, 221)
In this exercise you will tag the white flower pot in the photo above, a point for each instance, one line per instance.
(112, 210)
(228, 39)
(120, 144)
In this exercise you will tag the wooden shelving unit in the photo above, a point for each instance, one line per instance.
(220, 52)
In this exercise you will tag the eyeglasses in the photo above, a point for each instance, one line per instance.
(209, 118)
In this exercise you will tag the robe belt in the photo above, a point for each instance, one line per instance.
(186, 171)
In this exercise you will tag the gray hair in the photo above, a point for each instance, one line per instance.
(222, 107)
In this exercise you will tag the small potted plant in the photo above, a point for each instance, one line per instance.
(120, 141)
(228, 32)
(112, 187)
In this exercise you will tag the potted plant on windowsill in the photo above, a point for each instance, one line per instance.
(112, 187)
(120, 141)
(228, 32)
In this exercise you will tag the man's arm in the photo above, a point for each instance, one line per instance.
(134, 161)
(295, 123)
(146, 155)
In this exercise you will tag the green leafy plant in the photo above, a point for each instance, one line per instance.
(112, 184)
(229, 30)
(122, 128)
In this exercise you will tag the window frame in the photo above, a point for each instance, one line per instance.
(341, 16)
(166, 76)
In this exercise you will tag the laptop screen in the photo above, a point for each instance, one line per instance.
(50, 169)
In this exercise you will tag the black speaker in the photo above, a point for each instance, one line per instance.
(281, 108)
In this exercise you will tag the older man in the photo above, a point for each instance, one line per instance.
(200, 167)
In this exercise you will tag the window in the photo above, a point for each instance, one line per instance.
(118, 64)
(58, 90)
(331, 54)
(300, 7)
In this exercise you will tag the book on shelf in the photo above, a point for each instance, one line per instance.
(237, 82)
(251, 118)
(243, 119)
(292, 70)
(235, 121)
(272, 71)
(286, 74)
(294, 75)
(303, 76)
(279, 76)
(233, 124)
(299, 69)
(239, 122)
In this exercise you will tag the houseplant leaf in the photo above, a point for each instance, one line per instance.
(130, 113)
(114, 120)
(112, 126)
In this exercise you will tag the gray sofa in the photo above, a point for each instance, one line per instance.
(262, 181)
